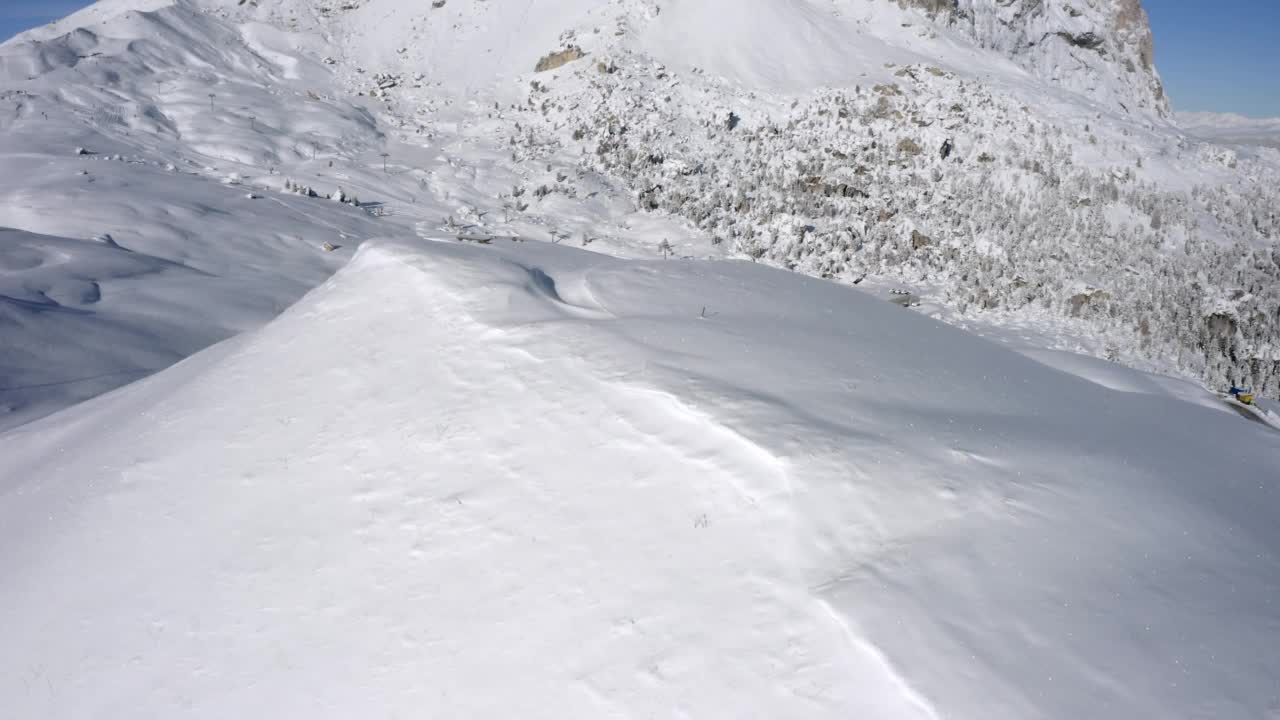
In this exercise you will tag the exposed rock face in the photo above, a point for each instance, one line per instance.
(933, 7)
(1099, 48)
(558, 59)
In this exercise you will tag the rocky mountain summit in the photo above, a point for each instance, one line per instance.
(1099, 48)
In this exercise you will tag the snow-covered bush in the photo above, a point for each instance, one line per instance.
(847, 183)
(300, 189)
(341, 196)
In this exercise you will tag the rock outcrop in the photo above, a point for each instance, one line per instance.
(1099, 48)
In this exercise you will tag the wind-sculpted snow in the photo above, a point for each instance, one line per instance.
(139, 265)
(81, 316)
(506, 478)
(59, 296)
(525, 480)
(193, 117)
(110, 130)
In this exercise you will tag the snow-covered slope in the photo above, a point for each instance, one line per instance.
(519, 479)
(1052, 204)
(526, 480)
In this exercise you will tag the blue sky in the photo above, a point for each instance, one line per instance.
(19, 15)
(1219, 55)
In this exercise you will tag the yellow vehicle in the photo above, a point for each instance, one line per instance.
(1242, 395)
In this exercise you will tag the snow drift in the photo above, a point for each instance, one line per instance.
(521, 479)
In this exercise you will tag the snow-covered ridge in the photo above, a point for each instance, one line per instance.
(617, 148)
(166, 129)
(499, 478)
(522, 479)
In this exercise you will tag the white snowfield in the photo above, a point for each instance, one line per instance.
(523, 480)
(518, 479)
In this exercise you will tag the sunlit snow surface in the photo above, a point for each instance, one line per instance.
(521, 479)
(524, 480)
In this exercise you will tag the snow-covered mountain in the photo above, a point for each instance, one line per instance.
(476, 473)
(1054, 203)
(868, 144)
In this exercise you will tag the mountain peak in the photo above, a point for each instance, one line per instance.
(1099, 48)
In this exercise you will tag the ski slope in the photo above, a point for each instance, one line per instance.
(522, 479)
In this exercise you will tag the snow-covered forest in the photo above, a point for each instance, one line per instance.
(938, 180)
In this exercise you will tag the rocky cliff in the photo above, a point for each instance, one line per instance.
(1100, 48)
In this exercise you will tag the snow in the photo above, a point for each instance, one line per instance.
(801, 46)
(183, 269)
(472, 476)
(264, 97)
(1101, 49)
(522, 479)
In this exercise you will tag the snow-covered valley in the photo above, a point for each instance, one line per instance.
(466, 359)
(1231, 129)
